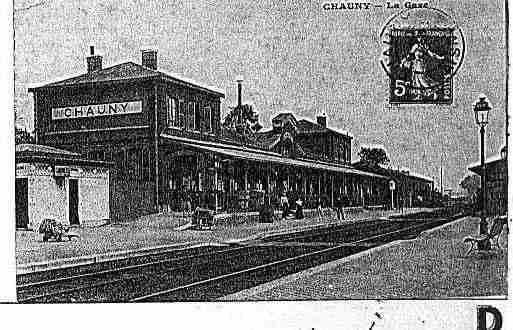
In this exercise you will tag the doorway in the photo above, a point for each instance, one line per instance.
(73, 202)
(21, 191)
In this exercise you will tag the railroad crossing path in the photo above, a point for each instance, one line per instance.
(429, 267)
(151, 233)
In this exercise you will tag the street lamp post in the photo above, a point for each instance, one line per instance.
(481, 111)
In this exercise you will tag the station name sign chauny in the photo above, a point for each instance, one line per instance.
(95, 110)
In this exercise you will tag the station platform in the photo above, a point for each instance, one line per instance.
(432, 266)
(155, 233)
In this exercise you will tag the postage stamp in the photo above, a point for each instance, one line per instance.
(421, 62)
(351, 153)
(424, 49)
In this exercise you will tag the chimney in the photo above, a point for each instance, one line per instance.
(94, 62)
(149, 59)
(321, 120)
(239, 91)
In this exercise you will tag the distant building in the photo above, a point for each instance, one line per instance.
(496, 184)
(58, 184)
(316, 140)
(411, 190)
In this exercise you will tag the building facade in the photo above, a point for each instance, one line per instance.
(496, 193)
(410, 189)
(57, 184)
(164, 136)
(116, 114)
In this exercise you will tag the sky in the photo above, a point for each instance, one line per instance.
(293, 56)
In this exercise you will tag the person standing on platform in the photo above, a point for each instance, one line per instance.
(284, 202)
(339, 207)
(188, 204)
(319, 207)
(299, 208)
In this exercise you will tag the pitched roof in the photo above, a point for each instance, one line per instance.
(284, 115)
(38, 149)
(267, 139)
(388, 171)
(306, 126)
(127, 71)
(42, 153)
(495, 161)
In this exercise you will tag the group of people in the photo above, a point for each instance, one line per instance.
(339, 203)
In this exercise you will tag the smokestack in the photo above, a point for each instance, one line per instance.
(149, 58)
(321, 120)
(239, 91)
(94, 62)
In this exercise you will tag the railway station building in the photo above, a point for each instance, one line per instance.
(164, 136)
(58, 184)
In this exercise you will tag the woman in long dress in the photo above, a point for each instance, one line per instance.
(416, 62)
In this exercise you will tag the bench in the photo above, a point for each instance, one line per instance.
(50, 228)
(494, 234)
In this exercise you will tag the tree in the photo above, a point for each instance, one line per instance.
(373, 156)
(242, 119)
(471, 183)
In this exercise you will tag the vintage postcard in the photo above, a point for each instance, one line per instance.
(287, 152)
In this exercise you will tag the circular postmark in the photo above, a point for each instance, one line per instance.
(423, 50)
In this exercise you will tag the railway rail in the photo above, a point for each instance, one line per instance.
(235, 281)
(212, 274)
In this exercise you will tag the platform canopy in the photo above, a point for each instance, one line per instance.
(241, 152)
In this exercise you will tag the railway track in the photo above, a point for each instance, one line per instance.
(211, 274)
(42, 276)
(216, 287)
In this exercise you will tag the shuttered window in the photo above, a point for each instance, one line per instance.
(208, 119)
(181, 114)
(190, 116)
(197, 117)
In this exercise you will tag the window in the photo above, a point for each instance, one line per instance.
(181, 114)
(133, 163)
(172, 113)
(197, 117)
(190, 116)
(208, 119)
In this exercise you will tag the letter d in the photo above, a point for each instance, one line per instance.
(481, 317)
